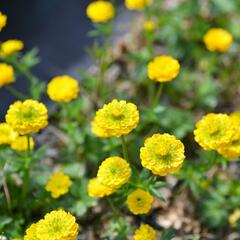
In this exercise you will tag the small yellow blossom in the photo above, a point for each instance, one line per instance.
(234, 217)
(114, 172)
(97, 189)
(145, 232)
(7, 134)
(139, 202)
(31, 233)
(63, 89)
(6, 74)
(137, 5)
(149, 26)
(57, 225)
(3, 21)
(11, 46)
(217, 39)
(116, 118)
(100, 11)
(21, 143)
(162, 154)
(58, 184)
(213, 131)
(231, 150)
(27, 117)
(163, 68)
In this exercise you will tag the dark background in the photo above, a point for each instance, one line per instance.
(57, 27)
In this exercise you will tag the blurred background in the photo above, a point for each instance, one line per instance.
(57, 28)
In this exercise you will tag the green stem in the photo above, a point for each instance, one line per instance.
(102, 64)
(124, 148)
(15, 92)
(115, 210)
(157, 96)
(150, 87)
(7, 194)
(26, 171)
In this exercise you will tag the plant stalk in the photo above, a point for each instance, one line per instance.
(124, 148)
(158, 95)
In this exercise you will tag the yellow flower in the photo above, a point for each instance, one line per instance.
(235, 118)
(139, 202)
(58, 184)
(11, 46)
(27, 117)
(145, 232)
(217, 39)
(63, 89)
(213, 131)
(100, 11)
(162, 154)
(163, 68)
(232, 149)
(3, 21)
(116, 118)
(31, 233)
(114, 172)
(21, 143)
(57, 225)
(137, 4)
(6, 74)
(97, 189)
(234, 217)
(7, 134)
(149, 26)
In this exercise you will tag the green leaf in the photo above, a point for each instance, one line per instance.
(168, 234)
(74, 170)
(78, 208)
(4, 220)
(30, 58)
(157, 194)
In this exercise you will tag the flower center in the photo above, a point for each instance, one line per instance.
(27, 113)
(55, 227)
(117, 113)
(113, 170)
(213, 129)
(161, 150)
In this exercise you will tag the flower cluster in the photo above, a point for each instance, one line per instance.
(113, 173)
(20, 143)
(217, 39)
(97, 189)
(6, 74)
(63, 89)
(138, 5)
(139, 201)
(3, 21)
(149, 26)
(7, 134)
(58, 184)
(219, 132)
(27, 117)
(213, 131)
(162, 154)
(145, 232)
(56, 225)
(11, 46)
(234, 217)
(100, 11)
(116, 118)
(163, 68)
